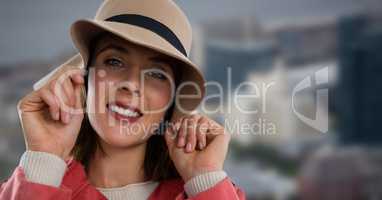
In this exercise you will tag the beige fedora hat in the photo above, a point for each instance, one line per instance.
(156, 24)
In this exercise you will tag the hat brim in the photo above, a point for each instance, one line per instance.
(83, 31)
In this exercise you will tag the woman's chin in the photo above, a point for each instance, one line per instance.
(120, 134)
(119, 138)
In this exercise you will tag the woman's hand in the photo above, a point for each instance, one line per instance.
(51, 117)
(199, 132)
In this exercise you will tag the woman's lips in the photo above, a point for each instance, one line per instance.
(123, 118)
(124, 112)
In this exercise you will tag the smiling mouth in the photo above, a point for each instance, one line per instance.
(123, 112)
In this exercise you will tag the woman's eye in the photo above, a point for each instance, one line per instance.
(157, 75)
(114, 63)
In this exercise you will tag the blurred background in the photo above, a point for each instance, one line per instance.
(324, 144)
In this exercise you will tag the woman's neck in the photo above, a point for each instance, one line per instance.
(117, 167)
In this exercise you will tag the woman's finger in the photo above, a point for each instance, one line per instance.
(214, 129)
(69, 82)
(170, 136)
(48, 97)
(69, 91)
(78, 81)
(182, 132)
(63, 101)
(79, 96)
(192, 127)
(201, 133)
(78, 77)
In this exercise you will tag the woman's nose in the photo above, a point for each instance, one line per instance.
(131, 82)
(129, 87)
(134, 90)
(128, 90)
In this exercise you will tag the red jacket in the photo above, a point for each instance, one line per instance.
(76, 186)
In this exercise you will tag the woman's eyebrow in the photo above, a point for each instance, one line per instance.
(162, 60)
(113, 47)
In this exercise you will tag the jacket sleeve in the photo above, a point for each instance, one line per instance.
(33, 182)
(211, 186)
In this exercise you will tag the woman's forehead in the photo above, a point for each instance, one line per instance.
(109, 40)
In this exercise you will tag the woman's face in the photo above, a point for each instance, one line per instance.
(129, 90)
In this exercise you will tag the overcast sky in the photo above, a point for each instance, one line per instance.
(39, 29)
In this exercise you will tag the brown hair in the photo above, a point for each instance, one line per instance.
(157, 162)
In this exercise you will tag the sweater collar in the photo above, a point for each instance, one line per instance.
(76, 179)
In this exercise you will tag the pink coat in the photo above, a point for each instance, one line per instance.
(76, 186)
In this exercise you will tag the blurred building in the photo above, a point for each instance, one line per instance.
(242, 49)
(239, 44)
(242, 58)
(307, 41)
(359, 96)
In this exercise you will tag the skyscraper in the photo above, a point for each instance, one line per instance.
(359, 97)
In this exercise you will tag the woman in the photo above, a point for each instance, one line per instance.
(137, 138)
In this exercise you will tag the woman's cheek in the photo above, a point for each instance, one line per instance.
(159, 97)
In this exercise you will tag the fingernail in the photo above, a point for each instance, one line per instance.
(201, 146)
(181, 142)
(177, 126)
(189, 147)
(66, 118)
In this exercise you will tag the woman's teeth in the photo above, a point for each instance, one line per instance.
(124, 112)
